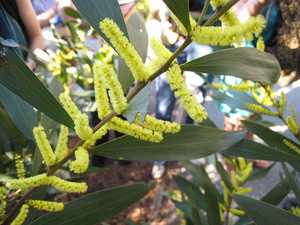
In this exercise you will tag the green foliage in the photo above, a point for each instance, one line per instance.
(30, 100)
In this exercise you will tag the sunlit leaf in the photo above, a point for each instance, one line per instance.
(96, 207)
(247, 63)
(190, 143)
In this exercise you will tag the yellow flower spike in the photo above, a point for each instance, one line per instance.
(291, 146)
(125, 49)
(260, 109)
(260, 45)
(228, 35)
(292, 125)
(158, 125)
(116, 94)
(21, 216)
(67, 186)
(294, 114)
(81, 120)
(44, 145)
(229, 18)
(244, 86)
(2, 203)
(162, 54)
(29, 182)
(295, 210)
(282, 103)
(234, 179)
(81, 163)
(100, 92)
(97, 135)
(180, 26)
(242, 163)
(46, 205)
(237, 212)
(242, 190)
(82, 128)
(134, 130)
(218, 86)
(61, 149)
(20, 166)
(187, 99)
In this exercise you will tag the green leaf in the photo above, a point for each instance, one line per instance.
(292, 181)
(188, 187)
(193, 141)
(211, 198)
(95, 11)
(21, 113)
(96, 207)
(139, 104)
(224, 175)
(72, 13)
(139, 39)
(247, 63)
(180, 8)
(16, 76)
(262, 213)
(253, 150)
(272, 138)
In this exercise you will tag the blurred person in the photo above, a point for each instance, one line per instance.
(52, 12)
(18, 22)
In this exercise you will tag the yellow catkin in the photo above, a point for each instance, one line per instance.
(115, 91)
(46, 205)
(237, 212)
(217, 3)
(44, 145)
(81, 120)
(97, 135)
(187, 99)
(226, 36)
(101, 96)
(260, 109)
(2, 204)
(260, 45)
(61, 149)
(125, 49)
(244, 86)
(229, 18)
(282, 103)
(21, 216)
(292, 125)
(180, 26)
(134, 130)
(81, 163)
(68, 186)
(19, 166)
(291, 146)
(161, 52)
(158, 125)
(29, 182)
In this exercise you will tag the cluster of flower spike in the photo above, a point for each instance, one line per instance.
(238, 176)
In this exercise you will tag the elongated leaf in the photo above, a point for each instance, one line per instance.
(139, 39)
(292, 181)
(262, 213)
(253, 150)
(247, 63)
(21, 112)
(211, 198)
(188, 187)
(16, 76)
(95, 11)
(96, 207)
(273, 197)
(190, 143)
(224, 175)
(272, 138)
(181, 10)
(139, 104)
